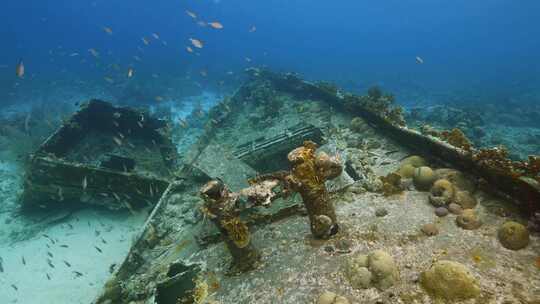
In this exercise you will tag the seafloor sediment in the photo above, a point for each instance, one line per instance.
(295, 267)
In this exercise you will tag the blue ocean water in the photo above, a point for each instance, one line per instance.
(488, 49)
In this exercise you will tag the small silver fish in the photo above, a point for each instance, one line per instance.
(67, 263)
(23, 260)
(50, 254)
(50, 263)
(60, 194)
(27, 123)
(117, 141)
(112, 267)
(77, 274)
(14, 287)
(98, 249)
(419, 60)
(84, 183)
(48, 277)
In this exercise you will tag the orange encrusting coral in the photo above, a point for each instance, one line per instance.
(391, 184)
(220, 206)
(308, 175)
(457, 139)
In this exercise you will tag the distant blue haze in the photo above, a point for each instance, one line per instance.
(482, 50)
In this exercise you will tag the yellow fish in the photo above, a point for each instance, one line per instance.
(20, 69)
(94, 52)
(216, 25)
(107, 30)
(196, 43)
(191, 14)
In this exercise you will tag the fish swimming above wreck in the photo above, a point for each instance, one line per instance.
(204, 153)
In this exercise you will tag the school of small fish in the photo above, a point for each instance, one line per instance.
(147, 41)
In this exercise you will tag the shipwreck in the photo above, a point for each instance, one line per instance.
(123, 158)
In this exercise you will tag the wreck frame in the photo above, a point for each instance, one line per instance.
(525, 192)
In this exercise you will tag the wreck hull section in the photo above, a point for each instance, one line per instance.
(55, 183)
(61, 174)
(524, 192)
(158, 247)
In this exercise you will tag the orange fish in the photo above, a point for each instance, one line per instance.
(20, 69)
(196, 43)
(191, 14)
(216, 25)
